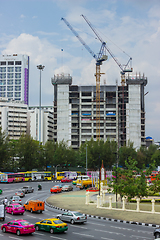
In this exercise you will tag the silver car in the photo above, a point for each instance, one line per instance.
(72, 217)
(14, 199)
(67, 188)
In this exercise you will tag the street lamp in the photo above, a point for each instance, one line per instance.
(40, 67)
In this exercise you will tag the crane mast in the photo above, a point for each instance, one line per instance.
(99, 59)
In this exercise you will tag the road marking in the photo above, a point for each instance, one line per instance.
(134, 236)
(39, 234)
(110, 232)
(58, 238)
(79, 227)
(81, 234)
(107, 238)
(97, 224)
(31, 216)
(15, 238)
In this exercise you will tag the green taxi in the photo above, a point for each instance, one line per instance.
(52, 225)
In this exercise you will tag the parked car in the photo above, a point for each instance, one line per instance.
(14, 199)
(64, 180)
(56, 189)
(18, 226)
(52, 225)
(27, 189)
(67, 188)
(72, 217)
(20, 193)
(156, 233)
(34, 206)
(15, 208)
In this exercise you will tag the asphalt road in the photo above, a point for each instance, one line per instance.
(94, 228)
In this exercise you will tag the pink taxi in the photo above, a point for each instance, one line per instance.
(15, 208)
(19, 227)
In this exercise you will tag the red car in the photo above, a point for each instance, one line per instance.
(19, 227)
(55, 189)
(15, 208)
(64, 180)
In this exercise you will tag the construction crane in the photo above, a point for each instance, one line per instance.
(123, 68)
(99, 59)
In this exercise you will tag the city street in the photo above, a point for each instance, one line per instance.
(93, 229)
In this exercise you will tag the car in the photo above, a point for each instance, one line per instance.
(67, 188)
(27, 189)
(34, 206)
(1, 191)
(52, 225)
(20, 193)
(72, 217)
(74, 182)
(55, 189)
(18, 226)
(15, 208)
(156, 233)
(14, 199)
(64, 180)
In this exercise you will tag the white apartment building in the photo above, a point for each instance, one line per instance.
(46, 123)
(13, 118)
(122, 111)
(14, 77)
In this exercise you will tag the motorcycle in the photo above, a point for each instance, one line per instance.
(39, 187)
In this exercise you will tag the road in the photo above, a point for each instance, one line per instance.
(95, 229)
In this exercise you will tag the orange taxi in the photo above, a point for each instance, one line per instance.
(56, 189)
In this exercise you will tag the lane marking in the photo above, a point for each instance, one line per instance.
(82, 234)
(97, 224)
(39, 233)
(134, 236)
(58, 238)
(15, 238)
(107, 238)
(99, 230)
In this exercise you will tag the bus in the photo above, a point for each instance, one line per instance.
(37, 176)
(12, 177)
(68, 174)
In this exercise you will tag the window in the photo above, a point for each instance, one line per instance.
(17, 75)
(2, 75)
(2, 82)
(2, 88)
(9, 94)
(10, 75)
(17, 88)
(2, 94)
(17, 81)
(17, 69)
(10, 88)
(2, 63)
(17, 62)
(2, 69)
(10, 69)
(17, 94)
(10, 82)
(10, 62)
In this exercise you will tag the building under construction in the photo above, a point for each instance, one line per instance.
(122, 111)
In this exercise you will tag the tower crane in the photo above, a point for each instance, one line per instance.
(99, 60)
(122, 67)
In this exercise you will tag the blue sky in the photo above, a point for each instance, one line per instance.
(34, 27)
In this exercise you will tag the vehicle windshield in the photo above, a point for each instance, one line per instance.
(57, 221)
(78, 214)
(17, 205)
(25, 223)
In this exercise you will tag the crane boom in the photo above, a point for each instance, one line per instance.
(79, 38)
(123, 68)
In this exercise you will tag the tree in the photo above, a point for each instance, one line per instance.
(4, 151)
(125, 152)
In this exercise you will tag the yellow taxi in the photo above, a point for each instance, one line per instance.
(52, 225)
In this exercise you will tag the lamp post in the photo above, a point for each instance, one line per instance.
(40, 67)
(86, 159)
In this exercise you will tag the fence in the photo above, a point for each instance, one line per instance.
(109, 202)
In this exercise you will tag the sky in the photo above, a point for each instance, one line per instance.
(130, 28)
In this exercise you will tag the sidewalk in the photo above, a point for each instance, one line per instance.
(76, 201)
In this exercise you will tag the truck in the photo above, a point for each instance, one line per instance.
(34, 206)
(2, 212)
(84, 182)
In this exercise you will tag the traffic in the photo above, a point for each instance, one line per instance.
(46, 220)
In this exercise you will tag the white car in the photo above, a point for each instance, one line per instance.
(14, 199)
(72, 217)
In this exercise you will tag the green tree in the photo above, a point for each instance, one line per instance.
(4, 151)
(125, 152)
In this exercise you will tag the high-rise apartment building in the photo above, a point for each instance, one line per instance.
(122, 111)
(14, 77)
(13, 118)
(46, 123)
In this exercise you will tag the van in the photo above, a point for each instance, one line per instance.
(34, 206)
